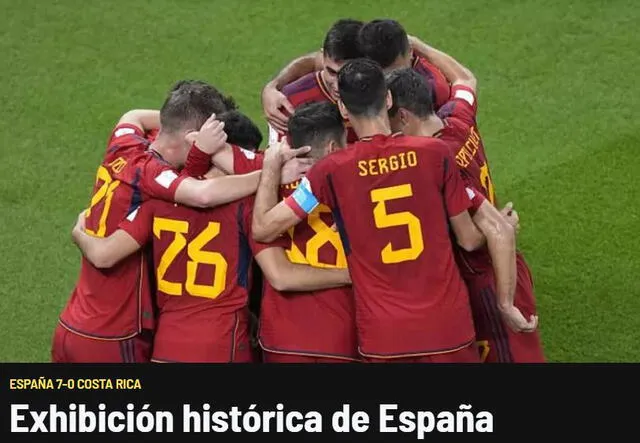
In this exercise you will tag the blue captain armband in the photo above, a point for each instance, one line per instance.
(303, 196)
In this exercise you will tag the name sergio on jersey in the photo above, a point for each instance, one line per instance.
(468, 150)
(391, 163)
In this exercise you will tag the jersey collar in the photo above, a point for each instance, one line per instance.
(371, 137)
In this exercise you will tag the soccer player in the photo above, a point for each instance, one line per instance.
(318, 326)
(412, 111)
(386, 42)
(203, 271)
(104, 319)
(340, 44)
(393, 198)
(503, 303)
(347, 34)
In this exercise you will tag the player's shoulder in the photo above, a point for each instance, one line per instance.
(126, 135)
(422, 66)
(419, 142)
(462, 104)
(338, 157)
(304, 84)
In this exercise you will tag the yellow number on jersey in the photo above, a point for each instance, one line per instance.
(196, 257)
(386, 220)
(487, 183)
(104, 192)
(484, 349)
(323, 235)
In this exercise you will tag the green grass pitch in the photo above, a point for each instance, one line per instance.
(558, 112)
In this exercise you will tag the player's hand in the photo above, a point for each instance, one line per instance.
(294, 169)
(516, 321)
(211, 137)
(281, 152)
(511, 216)
(273, 103)
(80, 222)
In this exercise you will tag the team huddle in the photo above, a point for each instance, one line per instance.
(368, 231)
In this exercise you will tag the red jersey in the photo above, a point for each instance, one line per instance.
(106, 303)
(318, 323)
(464, 141)
(310, 88)
(438, 82)
(391, 197)
(202, 260)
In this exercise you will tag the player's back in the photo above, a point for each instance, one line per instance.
(465, 143)
(202, 258)
(105, 303)
(319, 323)
(202, 261)
(392, 202)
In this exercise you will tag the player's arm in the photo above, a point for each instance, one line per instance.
(144, 119)
(273, 100)
(209, 145)
(454, 71)
(286, 276)
(501, 243)
(295, 69)
(216, 191)
(468, 235)
(457, 202)
(103, 252)
(270, 217)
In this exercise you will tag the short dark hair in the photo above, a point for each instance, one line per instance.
(241, 130)
(409, 90)
(190, 103)
(316, 124)
(225, 102)
(383, 40)
(362, 87)
(341, 42)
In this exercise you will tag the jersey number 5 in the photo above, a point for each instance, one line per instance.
(385, 220)
(196, 257)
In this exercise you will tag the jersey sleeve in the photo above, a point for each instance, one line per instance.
(198, 162)
(311, 190)
(476, 198)
(139, 223)
(455, 193)
(125, 134)
(462, 104)
(245, 161)
(159, 180)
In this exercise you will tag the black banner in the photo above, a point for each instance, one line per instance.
(315, 403)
